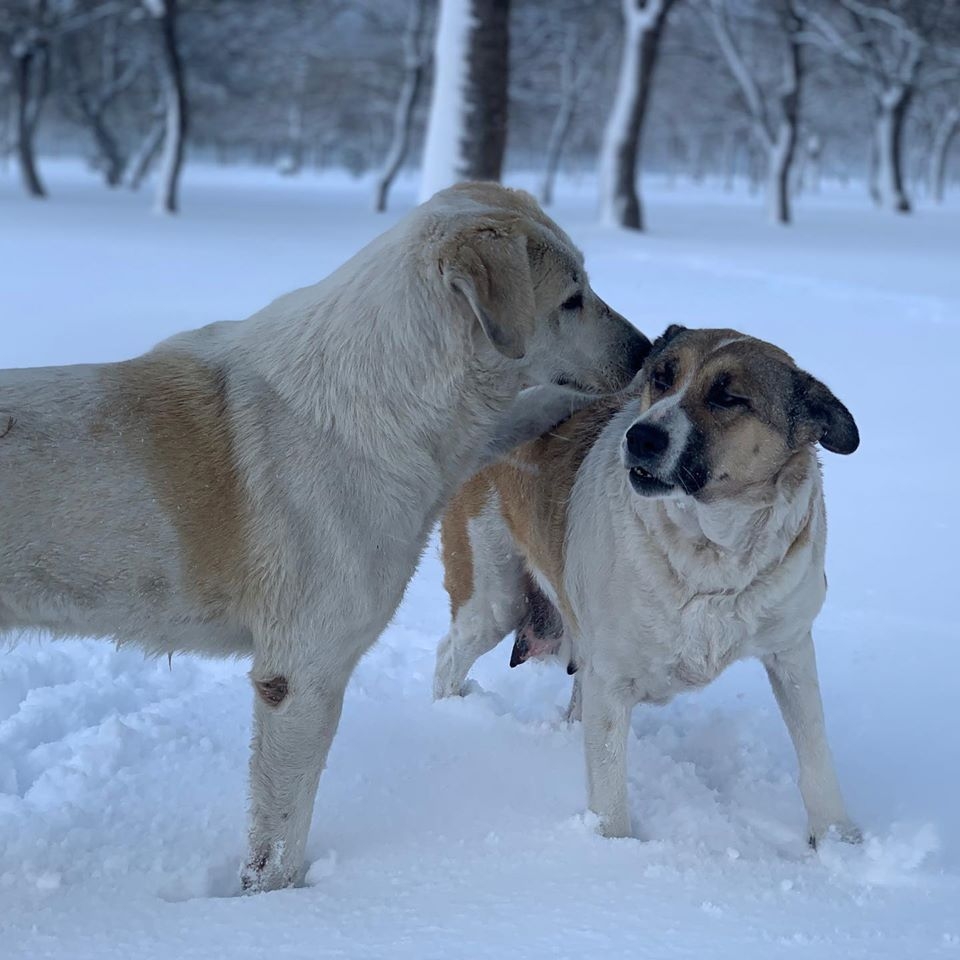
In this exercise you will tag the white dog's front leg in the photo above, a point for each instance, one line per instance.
(296, 713)
(793, 677)
(606, 721)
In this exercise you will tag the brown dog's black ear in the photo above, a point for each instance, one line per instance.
(820, 417)
(668, 335)
(489, 266)
(672, 331)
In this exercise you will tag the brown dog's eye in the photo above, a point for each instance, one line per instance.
(721, 398)
(573, 303)
(663, 377)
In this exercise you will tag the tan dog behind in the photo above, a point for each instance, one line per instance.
(266, 487)
(677, 529)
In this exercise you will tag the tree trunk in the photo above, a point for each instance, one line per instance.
(778, 175)
(32, 81)
(943, 137)
(888, 140)
(813, 151)
(555, 144)
(139, 164)
(290, 162)
(467, 130)
(873, 169)
(784, 145)
(175, 107)
(107, 149)
(731, 150)
(620, 153)
(414, 69)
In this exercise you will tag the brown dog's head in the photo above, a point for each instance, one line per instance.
(519, 281)
(722, 413)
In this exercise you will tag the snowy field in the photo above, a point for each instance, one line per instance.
(457, 830)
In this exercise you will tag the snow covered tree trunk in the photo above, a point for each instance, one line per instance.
(784, 144)
(774, 131)
(560, 127)
(139, 164)
(107, 149)
(943, 137)
(888, 144)
(290, 162)
(813, 151)
(31, 83)
(873, 171)
(415, 64)
(620, 152)
(467, 130)
(731, 150)
(555, 143)
(164, 13)
(576, 70)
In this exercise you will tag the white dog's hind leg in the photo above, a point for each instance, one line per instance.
(793, 677)
(296, 713)
(606, 722)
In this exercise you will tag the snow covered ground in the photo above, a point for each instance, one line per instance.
(458, 829)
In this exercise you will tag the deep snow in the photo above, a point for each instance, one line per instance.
(458, 829)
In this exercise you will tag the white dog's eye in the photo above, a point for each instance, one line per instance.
(573, 303)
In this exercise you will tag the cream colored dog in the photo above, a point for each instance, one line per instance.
(266, 487)
(676, 529)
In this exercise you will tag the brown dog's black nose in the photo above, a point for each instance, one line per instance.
(645, 442)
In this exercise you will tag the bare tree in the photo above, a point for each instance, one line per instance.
(577, 68)
(643, 24)
(416, 58)
(25, 36)
(774, 112)
(944, 134)
(97, 68)
(164, 14)
(143, 156)
(887, 42)
(467, 130)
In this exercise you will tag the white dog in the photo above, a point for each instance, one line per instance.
(266, 487)
(676, 530)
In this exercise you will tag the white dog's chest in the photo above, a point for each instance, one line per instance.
(677, 650)
(666, 641)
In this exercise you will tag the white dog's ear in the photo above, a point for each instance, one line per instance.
(490, 268)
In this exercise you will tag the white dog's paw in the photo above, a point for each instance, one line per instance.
(614, 827)
(444, 687)
(845, 831)
(265, 871)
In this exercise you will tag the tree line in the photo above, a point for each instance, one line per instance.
(778, 93)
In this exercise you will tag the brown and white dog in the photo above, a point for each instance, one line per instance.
(676, 529)
(265, 488)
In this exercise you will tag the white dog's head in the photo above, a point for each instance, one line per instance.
(518, 279)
